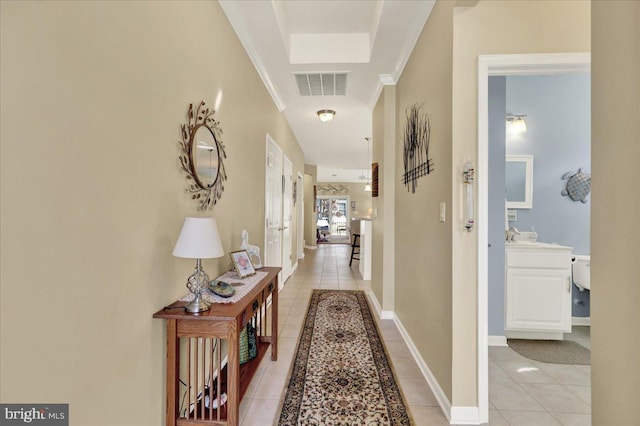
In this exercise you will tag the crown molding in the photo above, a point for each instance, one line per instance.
(409, 44)
(230, 8)
(383, 80)
(388, 79)
(412, 38)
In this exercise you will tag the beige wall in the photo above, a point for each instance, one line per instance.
(362, 199)
(615, 276)
(377, 237)
(423, 243)
(515, 27)
(437, 304)
(388, 202)
(92, 199)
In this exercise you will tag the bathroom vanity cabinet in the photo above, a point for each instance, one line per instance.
(538, 290)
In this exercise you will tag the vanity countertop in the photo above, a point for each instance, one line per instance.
(534, 245)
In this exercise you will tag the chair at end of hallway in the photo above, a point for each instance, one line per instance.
(355, 248)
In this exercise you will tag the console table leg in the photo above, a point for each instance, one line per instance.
(233, 372)
(173, 364)
(274, 320)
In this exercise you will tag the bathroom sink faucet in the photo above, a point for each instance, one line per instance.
(513, 231)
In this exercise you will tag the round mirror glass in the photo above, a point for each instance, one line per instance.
(206, 159)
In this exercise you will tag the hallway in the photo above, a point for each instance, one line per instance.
(519, 388)
(328, 268)
(94, 191)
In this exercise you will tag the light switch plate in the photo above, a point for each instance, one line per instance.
(443, 211)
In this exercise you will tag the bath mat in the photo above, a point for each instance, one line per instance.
(552, 351)
(341, 373)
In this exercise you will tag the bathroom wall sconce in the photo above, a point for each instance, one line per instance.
(517, 123)
(326, 114)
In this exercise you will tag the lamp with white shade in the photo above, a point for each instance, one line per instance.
(199, 239)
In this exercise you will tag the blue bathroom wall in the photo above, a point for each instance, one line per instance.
(558, 110)
(497, 111)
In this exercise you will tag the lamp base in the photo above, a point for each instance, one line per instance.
(196, 283)
(197, 305)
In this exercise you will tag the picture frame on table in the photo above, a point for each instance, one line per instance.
(242, 263)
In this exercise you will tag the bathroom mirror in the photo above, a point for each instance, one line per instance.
(519, 181)
(202, 156)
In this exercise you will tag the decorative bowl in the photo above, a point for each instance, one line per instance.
(221, 288)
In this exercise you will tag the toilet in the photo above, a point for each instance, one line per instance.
(581, 266)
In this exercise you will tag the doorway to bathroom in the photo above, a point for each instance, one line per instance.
(539, 139)
(491, 311)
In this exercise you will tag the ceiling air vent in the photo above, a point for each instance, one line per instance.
(322, 84)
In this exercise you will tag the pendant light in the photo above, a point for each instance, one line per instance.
(367, 186)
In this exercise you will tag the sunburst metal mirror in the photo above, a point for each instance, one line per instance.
(202, 155)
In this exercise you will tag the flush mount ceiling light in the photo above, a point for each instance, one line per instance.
(326, 114)
(517, 123)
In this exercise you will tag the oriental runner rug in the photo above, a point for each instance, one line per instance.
(341, 374)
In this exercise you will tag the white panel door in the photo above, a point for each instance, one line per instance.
(273, 205)
(538, 299)
(287, 209)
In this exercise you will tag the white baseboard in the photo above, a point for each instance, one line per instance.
(311, 247)
(497, 341)
(295, 267)
(455, 415)
(581, 321)
(374, 302)
(441, 397)
(378, 309)
(465, 416)
(387, 315)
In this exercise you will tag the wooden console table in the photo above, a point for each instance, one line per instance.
(204, 366)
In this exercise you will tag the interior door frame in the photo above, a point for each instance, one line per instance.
(270, 140)
(287, 199)
(502, 65)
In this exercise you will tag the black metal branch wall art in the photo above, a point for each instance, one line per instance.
(416, 137)
(202, 155)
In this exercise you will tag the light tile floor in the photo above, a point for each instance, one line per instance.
(521, 391)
